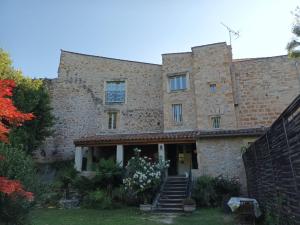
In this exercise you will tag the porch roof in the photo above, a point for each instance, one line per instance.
(164, 137)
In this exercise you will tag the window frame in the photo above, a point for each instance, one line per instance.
(177, 115)
(106, 91)
(216, 119)
(112, 121)
(213, 88)
(183, 83)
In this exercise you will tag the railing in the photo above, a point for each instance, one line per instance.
(190, 185)
(163, 180)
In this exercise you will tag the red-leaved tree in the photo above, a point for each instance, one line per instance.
(10, 116)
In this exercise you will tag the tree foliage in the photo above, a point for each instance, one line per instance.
(13, 198)
(293, 46)
(9, 114)
(29, 95)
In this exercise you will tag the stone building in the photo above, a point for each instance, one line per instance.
(197, 109)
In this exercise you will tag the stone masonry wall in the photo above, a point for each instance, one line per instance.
(211, 65)
(250, 93)
(78, 99)
(265, 87)
(222, 156)
(173, 64)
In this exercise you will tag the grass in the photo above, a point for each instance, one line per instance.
(125, 216)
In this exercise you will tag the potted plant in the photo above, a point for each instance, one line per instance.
(189, 205)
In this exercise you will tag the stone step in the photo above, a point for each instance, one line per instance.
(173, 196)
(169, 209)
(173, 192)
(174, 188)
(170, 205)
(170, 200)
(176, 183)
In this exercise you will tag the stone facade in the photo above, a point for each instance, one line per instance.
(249, 93)
(78, 100)
(226, 154)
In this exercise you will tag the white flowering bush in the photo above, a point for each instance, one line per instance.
(143, 176)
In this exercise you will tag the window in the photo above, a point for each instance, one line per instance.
(115, 92)
(177, 82)
(177, 113)
(215, 121)
(213, 88)
(112, 120)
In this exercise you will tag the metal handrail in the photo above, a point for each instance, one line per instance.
(189, 187)
(163, 180)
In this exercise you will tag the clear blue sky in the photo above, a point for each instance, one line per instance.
(34, 31)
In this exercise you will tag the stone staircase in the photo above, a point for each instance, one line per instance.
(173, 193)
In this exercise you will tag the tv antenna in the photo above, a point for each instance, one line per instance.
(236, 34)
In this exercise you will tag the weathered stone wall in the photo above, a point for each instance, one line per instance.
(211, 65)
(222, 156)
(250, 93)
(179, 63)
(78, 99)
(265, 87)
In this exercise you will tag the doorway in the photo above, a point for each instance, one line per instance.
(183, 157)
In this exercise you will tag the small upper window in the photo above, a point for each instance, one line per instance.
(177, 113)
(177, 82)
(115, 92)
(112, 120)
(216, 121)
(213, 88)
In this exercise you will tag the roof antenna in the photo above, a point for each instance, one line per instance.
(230, 31)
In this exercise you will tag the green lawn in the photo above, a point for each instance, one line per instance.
(126, 216)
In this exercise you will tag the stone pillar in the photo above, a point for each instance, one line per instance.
(161, 152)
(120, 155)
(199, 159)
(78, 158)
(89, 159)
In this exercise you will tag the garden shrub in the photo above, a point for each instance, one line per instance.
(16, 165)
(143, 176)
(97, 200)
(108, 175)
(65, 179)
(214, 191)
(204, 192)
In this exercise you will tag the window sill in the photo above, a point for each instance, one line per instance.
(179, 90)
(114, 103)
(177, 124)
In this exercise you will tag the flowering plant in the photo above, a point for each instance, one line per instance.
(143, 176)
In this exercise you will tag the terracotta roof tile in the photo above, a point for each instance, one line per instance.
(164, 137)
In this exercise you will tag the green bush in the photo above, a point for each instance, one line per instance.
(212, 191)
(97, 200)
(17, 166)
(204, 192)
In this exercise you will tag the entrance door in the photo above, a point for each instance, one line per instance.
(171, 150)
(184, 160)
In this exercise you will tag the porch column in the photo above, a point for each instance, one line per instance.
(89, 159)
(161, 152)
(120, 155)
(78, 158)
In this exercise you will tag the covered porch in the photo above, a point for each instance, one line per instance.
(178, 147)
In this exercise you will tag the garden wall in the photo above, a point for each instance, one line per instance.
(272, 166)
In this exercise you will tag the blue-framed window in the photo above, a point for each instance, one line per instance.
(115, 92)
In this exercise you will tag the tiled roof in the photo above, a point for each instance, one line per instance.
(164, 137)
